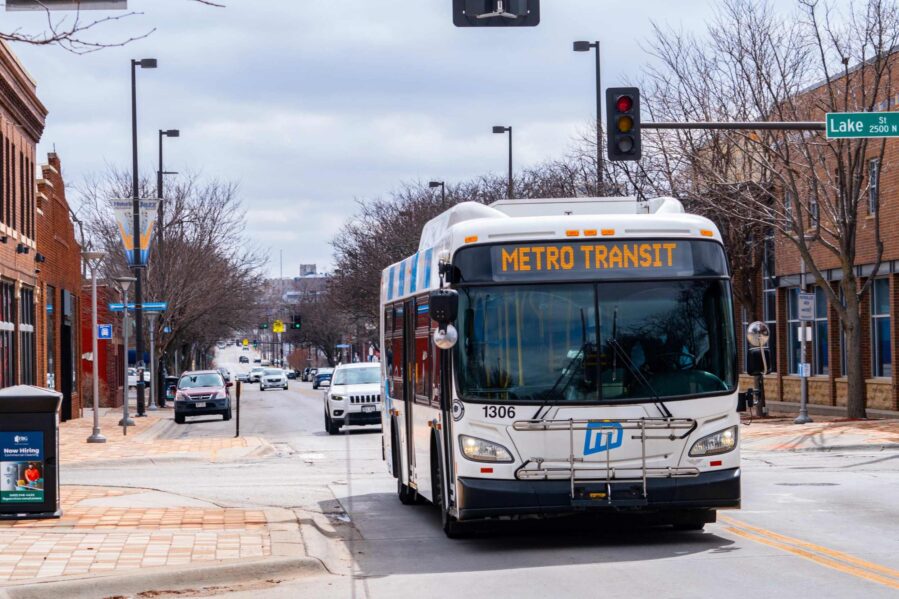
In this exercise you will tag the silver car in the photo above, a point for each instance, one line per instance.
(273, 378)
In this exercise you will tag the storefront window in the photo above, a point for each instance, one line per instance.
(26, 336)
(880, 328)
(7, 334)
(822, 357)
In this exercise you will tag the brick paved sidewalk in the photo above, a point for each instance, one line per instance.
(142, 442)
(780, 434)
(96, 535)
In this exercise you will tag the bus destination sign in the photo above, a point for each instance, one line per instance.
(590, 260)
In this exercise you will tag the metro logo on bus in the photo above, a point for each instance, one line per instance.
(600, 256)
(603, 436)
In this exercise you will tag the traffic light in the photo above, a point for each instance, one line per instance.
(297, 323)
(623, 123)
(496, 13)
(263, 326)
(255, 343)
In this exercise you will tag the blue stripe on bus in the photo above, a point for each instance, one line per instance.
(390, 283)
(428, 268)
(413, 280)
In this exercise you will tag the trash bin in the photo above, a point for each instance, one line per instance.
(171, 383)
(29, 446)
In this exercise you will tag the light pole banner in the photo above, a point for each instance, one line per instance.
(124, 217)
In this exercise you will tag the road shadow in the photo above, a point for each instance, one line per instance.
(395, 539)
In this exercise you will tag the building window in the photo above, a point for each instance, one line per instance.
(7, 334)
(821, 362)
(26, 336)
(882, 354)
(51, 337)
(813, 212)
(793, 323)
(769, 296)
(788, 207)
(873, 185)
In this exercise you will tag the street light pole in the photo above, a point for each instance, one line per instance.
(124, 284)
(93, 259)
(586, 47)
(146, 63)
(442, 186)
(500, 130)
(160, 212)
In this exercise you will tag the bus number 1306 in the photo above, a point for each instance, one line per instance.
(499, 411)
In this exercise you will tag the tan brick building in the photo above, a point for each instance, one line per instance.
(780, 282)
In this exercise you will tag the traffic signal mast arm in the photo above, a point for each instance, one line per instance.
(747, 125)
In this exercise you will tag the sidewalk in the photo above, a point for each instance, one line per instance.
(108, 535)
(143, 442)
(825, 434)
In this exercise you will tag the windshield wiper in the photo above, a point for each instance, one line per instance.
(641, 378)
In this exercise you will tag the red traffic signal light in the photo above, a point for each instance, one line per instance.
(623, 123)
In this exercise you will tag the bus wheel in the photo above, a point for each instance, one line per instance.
(451, 526)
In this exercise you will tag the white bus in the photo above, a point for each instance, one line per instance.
(594, 364)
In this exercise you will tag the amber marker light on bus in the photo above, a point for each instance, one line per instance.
(471, 239)
(706, 233)
(572, 233)
(607, 232)
(590, 232)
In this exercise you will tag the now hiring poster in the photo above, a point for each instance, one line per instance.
(21, 467)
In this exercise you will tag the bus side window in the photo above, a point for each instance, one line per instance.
(397, 359)
(423, 359)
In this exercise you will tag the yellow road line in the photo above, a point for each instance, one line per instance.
(837, 560)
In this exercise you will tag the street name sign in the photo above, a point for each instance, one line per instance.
(147, 307)
(856, 125)
(104, 331)
(806, 306)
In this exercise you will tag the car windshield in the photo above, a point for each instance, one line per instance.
(357, 376)
(548, 343)
(325, 371)
(206, 379)
(273, 372)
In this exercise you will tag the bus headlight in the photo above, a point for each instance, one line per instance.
(480, 450)
(720, 442)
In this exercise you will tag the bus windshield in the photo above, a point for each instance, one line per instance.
(596, 342)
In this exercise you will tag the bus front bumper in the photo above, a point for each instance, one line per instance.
(486, 498)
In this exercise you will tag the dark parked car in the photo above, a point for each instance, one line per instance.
(202, 392)
(292, 374)
(323, 374)
(244, 360)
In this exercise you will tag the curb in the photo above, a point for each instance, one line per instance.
(161, 579)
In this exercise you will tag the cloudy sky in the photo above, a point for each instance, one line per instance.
(312, 105)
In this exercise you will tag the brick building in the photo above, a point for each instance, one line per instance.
(782, 277)
(59, 280)
(21, 124)
(110, 353)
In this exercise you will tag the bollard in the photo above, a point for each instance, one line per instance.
(237, 420)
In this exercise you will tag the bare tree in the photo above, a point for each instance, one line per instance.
(208, 272)
(74, 32)
(753, 64)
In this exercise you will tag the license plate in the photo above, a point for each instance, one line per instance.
(199, 405)
(369, 409)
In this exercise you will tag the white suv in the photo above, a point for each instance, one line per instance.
(354, 396)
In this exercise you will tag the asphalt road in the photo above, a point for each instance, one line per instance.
(812, 524)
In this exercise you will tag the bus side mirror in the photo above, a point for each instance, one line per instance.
(759, 361)
(443, 305)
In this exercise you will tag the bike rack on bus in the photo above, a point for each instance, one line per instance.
(676, 428)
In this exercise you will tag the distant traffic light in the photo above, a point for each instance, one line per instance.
(496, 13)
(623, 123)
(297, 323)
(263, 326)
